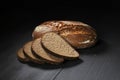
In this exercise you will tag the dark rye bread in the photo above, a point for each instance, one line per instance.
(58, 46)
(40, 52)
(21, 56)
(28, 52)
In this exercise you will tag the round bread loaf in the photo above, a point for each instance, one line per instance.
(78, 34)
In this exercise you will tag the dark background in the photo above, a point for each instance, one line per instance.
(19, 18)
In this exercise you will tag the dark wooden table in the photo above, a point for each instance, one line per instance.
(101, 62)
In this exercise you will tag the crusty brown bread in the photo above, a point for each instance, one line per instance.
(40, 52)
(56, 44)
(21, 56)
(78, 34)
(28, 52)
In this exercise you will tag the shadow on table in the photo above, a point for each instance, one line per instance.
(65, 64)
(100, 48)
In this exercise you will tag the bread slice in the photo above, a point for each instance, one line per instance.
(56, 44)
(41, 53)
(28, 52)
(21, 56)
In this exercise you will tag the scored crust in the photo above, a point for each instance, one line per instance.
(79, 36)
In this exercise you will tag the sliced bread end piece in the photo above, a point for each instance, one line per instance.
(56, 44)
(21, 56)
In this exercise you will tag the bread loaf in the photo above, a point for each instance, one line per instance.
(78, 34)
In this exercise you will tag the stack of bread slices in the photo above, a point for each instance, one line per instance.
(50, 48)
(56, 41)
